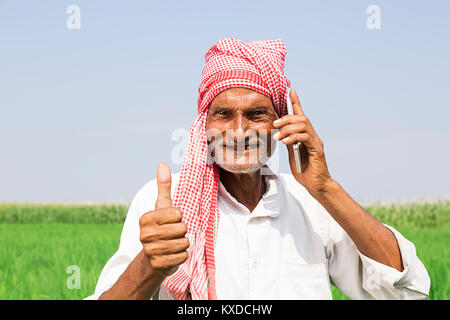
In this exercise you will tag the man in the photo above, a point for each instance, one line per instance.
(236, 230)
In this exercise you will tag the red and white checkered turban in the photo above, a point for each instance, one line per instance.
(256, 65)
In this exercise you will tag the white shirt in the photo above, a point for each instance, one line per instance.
(289, 247)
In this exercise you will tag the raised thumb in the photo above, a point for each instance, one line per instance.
(164, 181)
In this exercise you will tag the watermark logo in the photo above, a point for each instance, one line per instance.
(74, 280)
(74, 20)
(180, 136)
(374, 19)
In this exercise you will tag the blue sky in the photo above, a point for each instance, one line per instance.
(87, 114)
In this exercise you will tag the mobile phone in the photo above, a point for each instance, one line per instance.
(296, 145)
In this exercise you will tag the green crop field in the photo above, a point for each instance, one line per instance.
(39, 243)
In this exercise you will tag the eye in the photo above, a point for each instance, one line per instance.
(257, 113)
(222, 113)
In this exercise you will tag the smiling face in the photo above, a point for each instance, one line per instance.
(239, 128)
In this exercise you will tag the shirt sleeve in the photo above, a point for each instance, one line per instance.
(360, 277)
(130, 245)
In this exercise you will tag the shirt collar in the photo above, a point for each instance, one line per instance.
(270, 203)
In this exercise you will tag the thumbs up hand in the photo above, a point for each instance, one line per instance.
(164, 182)
(162, 232)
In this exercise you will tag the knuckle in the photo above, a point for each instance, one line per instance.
(177, 212)
(184, 256)
(149, 234)
(284, 118)
(302, 118)
(165, 262)
(143, 220)
(304, 125)
(149, 250)
(287, 118)
(162, 251)
(290, 129)
(185, 243)
(146, 218)
(158, 262)
(183, 228)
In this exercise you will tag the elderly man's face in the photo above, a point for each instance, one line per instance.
(239, 127)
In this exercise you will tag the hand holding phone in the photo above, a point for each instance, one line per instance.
(296, 145)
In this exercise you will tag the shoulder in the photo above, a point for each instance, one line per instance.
(294, 189)
(311, 208)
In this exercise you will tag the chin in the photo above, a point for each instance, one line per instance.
(240, 168)
(243, 165)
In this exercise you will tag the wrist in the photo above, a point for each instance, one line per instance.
(138, 282)
(150, 279)
(330, 187)
(147, 272)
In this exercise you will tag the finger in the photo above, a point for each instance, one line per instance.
(295, 118)
(310, 143)
(168, 261)
(172, 231)
(163, 232)
(290, 129)
(167, 246)
(162, 216)
(299, 137)
(164, 181)
(289, 118)
(296, 103)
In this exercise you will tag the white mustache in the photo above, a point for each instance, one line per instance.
(227, 140)
(251, 143)
(223, 145)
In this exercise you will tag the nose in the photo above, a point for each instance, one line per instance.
(240, 126)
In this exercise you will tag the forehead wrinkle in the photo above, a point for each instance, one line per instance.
(245, 100)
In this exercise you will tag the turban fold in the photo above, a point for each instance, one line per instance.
(256, 65)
